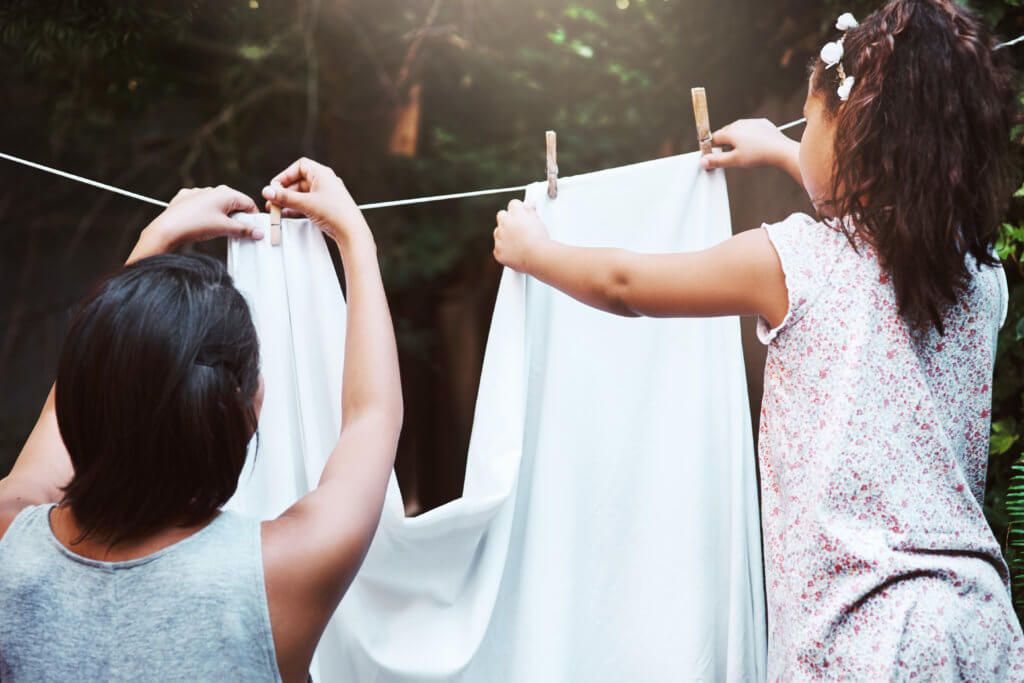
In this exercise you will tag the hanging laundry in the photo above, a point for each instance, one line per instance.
(608, 528)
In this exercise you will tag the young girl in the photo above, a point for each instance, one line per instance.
(881, 321)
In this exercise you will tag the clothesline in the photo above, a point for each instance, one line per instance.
(157, 202)
(372, 205)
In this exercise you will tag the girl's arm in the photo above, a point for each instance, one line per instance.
(740, 276)
(755, 142)
(312, 551)
(43, 466)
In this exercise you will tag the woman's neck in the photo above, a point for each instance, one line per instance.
(67, 531)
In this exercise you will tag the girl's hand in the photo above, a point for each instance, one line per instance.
(196, 214)
(520, 231)
(313, 190)
(754, 142)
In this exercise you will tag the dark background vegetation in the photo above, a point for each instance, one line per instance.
(402, 98)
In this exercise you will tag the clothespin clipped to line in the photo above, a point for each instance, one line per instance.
(552, 163)
(700, 114)
(275, 224)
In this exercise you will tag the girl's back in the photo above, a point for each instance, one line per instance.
(873, 454)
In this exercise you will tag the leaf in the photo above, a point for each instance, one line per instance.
(254, 52)
(1001, 443)
(585, 14)
(1015, 536)
(1009, 239)
(582, 49)
(1004, 435)
(1002, 427)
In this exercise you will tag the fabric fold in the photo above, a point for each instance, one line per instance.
(608, 526)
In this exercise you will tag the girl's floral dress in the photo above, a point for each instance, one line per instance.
(873, 451)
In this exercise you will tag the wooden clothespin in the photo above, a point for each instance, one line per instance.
(275, 225)
(552, 165)
(700, 113)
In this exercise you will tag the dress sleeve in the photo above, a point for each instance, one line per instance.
(1004, 295)
(803, 246)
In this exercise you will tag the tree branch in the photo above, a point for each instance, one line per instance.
(226, 115)
(417, 42)
(368, 50)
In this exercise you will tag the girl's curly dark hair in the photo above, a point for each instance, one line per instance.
(921, 157)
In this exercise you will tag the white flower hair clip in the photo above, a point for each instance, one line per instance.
(832, 55)
(846, 22)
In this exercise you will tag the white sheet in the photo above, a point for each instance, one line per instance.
(608, 528)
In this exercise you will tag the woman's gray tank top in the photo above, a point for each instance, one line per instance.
(193, 611)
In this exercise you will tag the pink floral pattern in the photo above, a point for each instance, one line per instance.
(879, 564)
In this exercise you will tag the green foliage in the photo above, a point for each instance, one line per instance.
(1007, 444)
(1015, 534)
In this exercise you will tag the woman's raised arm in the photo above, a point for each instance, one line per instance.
(312, 551)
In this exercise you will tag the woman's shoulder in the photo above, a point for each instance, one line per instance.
(13, 506)
(9, 510)
(23, 542)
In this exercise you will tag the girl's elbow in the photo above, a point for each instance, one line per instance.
(620, 289)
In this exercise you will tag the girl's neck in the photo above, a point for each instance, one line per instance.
(67, 530)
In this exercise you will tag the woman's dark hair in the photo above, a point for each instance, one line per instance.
(922, 147)
(155, 389)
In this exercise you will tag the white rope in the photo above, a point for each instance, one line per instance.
(1008, 43)
(157, 202)
(374, 205)
(442, 197)
(72, 176)
(791, 124)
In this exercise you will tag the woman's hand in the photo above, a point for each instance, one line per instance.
(313, 190)
(194, 215)
(520, 231)
(754, 142)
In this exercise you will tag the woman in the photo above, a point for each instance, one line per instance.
(117, 561)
